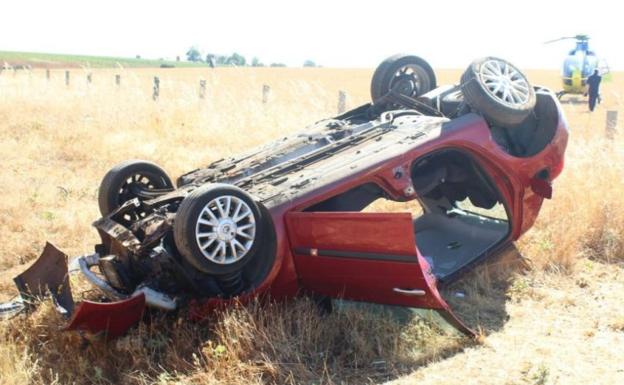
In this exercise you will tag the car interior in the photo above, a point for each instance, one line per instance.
(458, 215)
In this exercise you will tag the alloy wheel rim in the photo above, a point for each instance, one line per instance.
(504, 82)
(225, 229)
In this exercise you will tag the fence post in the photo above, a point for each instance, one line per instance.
(202, 89)
(67, 78)
(611, 123)
(89, 78)
(156, 91)
(266, 92)
(118, 79)
(47, 74)
(342, 101)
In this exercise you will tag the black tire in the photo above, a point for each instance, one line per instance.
(386, 73)
(186, 222)
(491, 106)
(111, 194)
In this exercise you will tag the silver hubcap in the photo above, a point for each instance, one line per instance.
(504, 82)
(225, 230)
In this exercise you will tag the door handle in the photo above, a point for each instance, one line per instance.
(410, 292)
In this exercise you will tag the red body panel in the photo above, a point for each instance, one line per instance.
(372, 258)
(389, 257)
(389, 233)
(112, 319)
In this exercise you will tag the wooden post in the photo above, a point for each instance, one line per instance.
(202, 89)
(67, 78)
(611, 123)
(118, 79)
(89, 78)
(342, 101)
(266, 92)
(47, 73)
(156, 91)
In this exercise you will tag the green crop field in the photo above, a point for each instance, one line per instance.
(44, 60)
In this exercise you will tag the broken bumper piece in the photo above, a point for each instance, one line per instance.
(49, 275)
(111, 319)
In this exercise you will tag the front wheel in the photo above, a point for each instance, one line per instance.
(217, 229)
(499, 91)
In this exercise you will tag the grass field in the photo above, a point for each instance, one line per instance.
(51, 60)
(559, 321)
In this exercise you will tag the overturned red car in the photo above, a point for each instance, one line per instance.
(476, 159)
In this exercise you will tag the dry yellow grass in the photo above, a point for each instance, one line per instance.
(559, 322)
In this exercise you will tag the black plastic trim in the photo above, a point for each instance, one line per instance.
(356, 255)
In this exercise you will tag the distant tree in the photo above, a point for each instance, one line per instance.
(193, 54)
(309, 63)
(211, 59)
(222, 60)
(237, 59)
(255, 62)
(138, 56)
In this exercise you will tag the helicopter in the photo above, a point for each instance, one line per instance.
(578, 65)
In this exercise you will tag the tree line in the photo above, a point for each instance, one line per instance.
(235, 59)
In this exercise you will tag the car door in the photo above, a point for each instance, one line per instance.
(369, 257)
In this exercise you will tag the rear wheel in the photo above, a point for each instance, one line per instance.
(499, 91)
(217, 229)
(412, 76)
(128, 180)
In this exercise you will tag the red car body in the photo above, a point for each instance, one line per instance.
(316, 254)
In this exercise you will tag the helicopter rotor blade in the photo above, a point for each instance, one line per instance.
(559, 39)
(576, 37)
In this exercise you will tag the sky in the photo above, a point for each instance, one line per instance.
(448, 34)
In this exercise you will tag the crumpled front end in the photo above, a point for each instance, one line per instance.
(124, 268)
(49, 276)
(135, 266)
